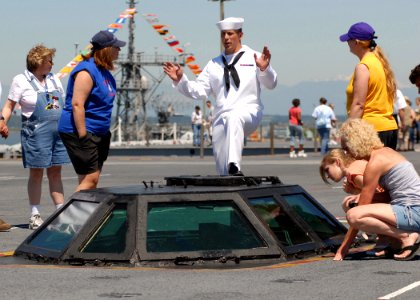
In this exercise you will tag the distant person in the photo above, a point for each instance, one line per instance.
(40, 95)
(372, 88)
(415, 79)
(234, 78)
(209, 120)
(296, 129)
(86, 119)
(404, 134)
(398, 109)
(325, 119)
(417, 111)
(417, 126)
(196, 122)
(411, 121)
(334, 137)
(400, 219)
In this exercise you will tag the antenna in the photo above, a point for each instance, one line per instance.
(134, 89)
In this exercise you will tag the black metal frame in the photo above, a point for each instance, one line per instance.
(277, 192)
(188, 189)
(41, 253)
(74, 251)
(271, 250)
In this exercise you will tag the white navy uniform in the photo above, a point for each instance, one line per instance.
(239, 111)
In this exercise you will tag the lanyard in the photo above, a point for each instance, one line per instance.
(52, 103)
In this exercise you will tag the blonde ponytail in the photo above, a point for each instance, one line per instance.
(391, 85)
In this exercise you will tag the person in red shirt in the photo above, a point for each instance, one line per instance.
(296, 130)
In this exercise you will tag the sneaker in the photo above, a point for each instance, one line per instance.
(292, 154)
(301, 154)
(35, 221)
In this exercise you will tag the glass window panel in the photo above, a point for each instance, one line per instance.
(111, 235)
(317, 220)
(199, 226)
(57, 235)
(282, 225)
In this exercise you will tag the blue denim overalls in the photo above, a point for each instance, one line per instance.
(41, 143)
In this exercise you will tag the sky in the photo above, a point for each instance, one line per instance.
(302, 35)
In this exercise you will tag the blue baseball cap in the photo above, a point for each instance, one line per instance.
(105, 39)
(359, 31)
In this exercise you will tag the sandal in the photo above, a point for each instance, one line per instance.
(413, 248)
(388, 252)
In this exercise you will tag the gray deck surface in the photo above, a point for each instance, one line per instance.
(320, 278)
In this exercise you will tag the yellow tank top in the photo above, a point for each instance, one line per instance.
(379, 105)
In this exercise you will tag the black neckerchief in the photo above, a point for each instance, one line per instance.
(231, 68)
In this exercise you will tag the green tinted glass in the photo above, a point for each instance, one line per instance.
(60, 231)
(314, 216)
(111, 235)
(199, 226)
(285, 229)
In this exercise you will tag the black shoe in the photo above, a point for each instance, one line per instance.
(239, 173)
(234, 171)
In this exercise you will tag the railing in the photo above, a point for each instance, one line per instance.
(274, 135)
(11, 151)
(150, 59)
(278, 134)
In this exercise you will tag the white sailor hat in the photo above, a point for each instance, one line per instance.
(230, 24)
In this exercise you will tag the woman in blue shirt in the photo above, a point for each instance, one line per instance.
(86, 118)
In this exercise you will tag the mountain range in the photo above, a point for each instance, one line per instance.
(278, 101)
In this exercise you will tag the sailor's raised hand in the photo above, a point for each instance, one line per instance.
(263, 61)
(174, 71)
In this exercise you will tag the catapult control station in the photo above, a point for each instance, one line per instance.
(189, 220)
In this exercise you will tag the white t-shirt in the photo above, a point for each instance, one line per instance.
(196, 118)
(323, 115)
(210, 114)
(399, 102)
(22, 92)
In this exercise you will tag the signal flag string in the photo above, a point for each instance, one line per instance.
(113, 27)
(172, 42)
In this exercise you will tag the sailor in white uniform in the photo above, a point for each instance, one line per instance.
(234, 78)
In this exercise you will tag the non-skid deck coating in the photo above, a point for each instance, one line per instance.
(316, 278)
